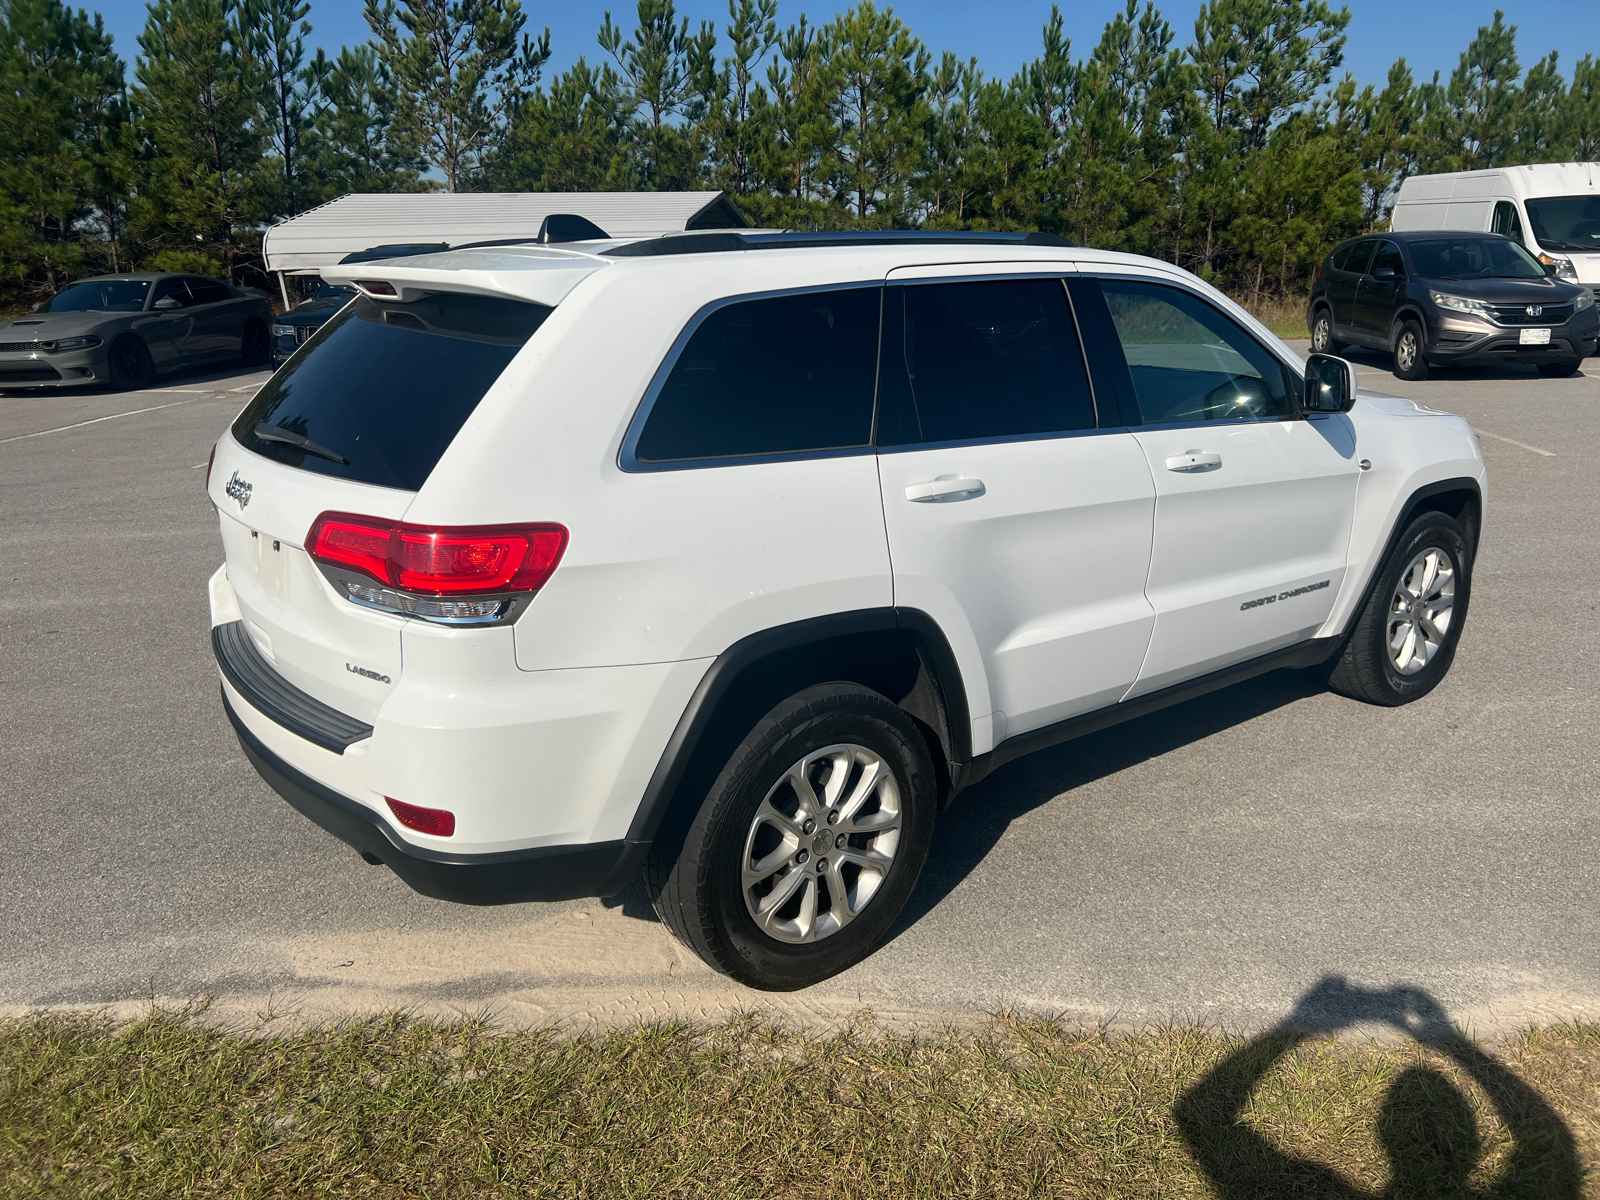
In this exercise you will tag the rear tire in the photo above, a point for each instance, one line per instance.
(777, 905)
(254, 347)
(1322, 334)
(1560, 370)
(1405, 638)
(1409, 344)
(132, 368)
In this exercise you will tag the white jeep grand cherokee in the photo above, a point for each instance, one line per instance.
(736, 555)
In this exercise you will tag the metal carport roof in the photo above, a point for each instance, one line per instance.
(322, 236)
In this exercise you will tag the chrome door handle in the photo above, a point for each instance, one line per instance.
(1193, 460)
(944, 488)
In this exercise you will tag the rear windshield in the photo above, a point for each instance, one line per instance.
(386, 387)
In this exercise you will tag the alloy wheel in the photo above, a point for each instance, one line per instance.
(821, 843)
(1321, 335)
(1420, 611)
(1405, 351)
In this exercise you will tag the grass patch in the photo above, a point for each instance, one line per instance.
(167, 1107)
(1285, 316)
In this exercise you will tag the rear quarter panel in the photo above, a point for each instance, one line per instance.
(662, 565)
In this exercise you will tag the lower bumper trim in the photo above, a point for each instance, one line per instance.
(513, 877)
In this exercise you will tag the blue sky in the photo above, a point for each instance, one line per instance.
(1430, 33)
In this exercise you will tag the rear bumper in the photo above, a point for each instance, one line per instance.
(513, 877)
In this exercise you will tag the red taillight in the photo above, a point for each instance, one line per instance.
(376, 287)
(1318, 278)
(439, 561)
(210, 462)
(436, 821)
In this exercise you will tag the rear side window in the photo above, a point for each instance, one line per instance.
(208, 291)
(780, 375)
(986, 359)
(386, 387)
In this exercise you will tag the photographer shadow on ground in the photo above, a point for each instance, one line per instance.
(1426, 1125)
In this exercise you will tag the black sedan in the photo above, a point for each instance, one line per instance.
(1439, 298)
(124, 330)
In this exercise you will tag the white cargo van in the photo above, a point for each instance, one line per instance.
(1551, 208)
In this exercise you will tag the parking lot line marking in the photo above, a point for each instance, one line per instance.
(21, 437)
(1512, 442)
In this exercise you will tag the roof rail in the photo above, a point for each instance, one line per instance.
(722, 240)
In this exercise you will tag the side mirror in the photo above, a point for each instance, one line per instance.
(37, 306)
(1330, 385)
(1383, 273)
(166, 303)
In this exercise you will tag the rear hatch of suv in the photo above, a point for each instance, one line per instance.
(354, 423)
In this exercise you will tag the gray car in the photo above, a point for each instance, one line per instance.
(124, 330)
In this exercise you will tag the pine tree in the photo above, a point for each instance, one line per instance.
(351, 144)
(199, 118)
(880, 71)
(277, 31)
(60, 86)
(730, 121)
(662, 79)
(458, 70)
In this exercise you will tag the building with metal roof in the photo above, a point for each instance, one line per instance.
(303, 245)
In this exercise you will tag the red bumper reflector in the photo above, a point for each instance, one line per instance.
(435, 821)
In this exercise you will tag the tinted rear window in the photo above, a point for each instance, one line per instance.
(774, 376)
(388, 386)
(990, 359)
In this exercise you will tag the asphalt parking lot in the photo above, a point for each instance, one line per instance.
(1209, 862)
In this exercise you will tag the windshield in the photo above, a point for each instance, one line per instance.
(102, 295)
(330, 291)
(1565, 222)
(387, 386)
(1474, 258)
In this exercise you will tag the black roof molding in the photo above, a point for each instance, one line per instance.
(723, 240)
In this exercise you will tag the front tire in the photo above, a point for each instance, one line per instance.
(1322, 334)
(808, 844)
(1409, 360)
(1405, 638)
(132, 368)
(1560, 370)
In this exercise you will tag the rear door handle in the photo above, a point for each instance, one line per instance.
(1193, 460)
(944, 488)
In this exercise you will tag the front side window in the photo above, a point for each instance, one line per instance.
(779, 375)
(99, 295)
(1388, 255)
(1506, 220)
(1565, 222)
(1473, 258)
(1353, 257)
(380, 392)
(987, 359)
(1189, 362)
